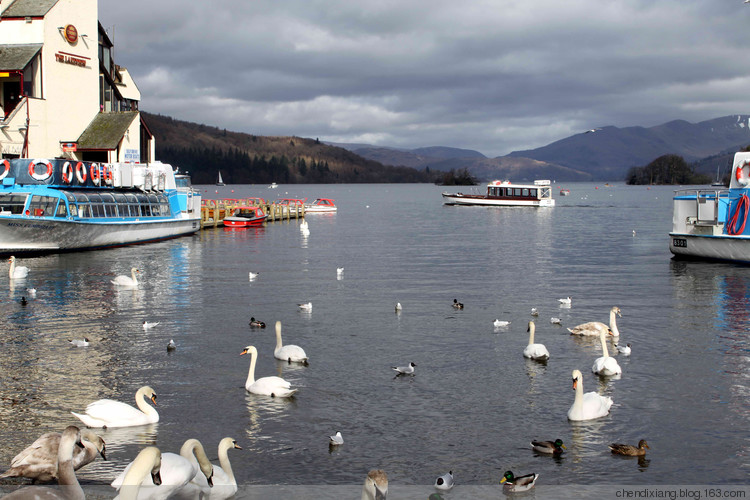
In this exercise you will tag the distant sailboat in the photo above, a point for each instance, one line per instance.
(718, 182)
(220, 182)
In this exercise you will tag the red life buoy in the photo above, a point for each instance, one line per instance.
(96, 175)
(743, 176)
(6, 165)
(43, 176)
(81, 172)
(107, 174)
(67, 173)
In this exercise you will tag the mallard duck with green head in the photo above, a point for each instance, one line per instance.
(555, 447)
(515, 484)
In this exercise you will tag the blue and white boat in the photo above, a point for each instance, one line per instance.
(711, 223)
(62, 205)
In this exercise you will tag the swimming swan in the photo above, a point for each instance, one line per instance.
(606, 365)
(376, 485)
(127, 281)
(110, 413)
(594, 327)
(70, 488)
(587, 406)
(288, 352)
(534, 351)
(268, 386)
(224, 483)
(175, 473)
(38, 461)
(144, 470)
(17, 272)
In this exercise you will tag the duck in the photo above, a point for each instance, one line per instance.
(71, 488)
(336, 440)
(224, 482)
(376, 485)
(109, 413)
(457, 304)
(267, 386)
(623, 349)
(606, 365)
(79, 342)
(565, 302)
(17, 272)
(39, 460)
(555, 447)
(537, 352)
(24, 301)
(254, 323)
(587, 406)
(500, 323)
(594, 327)
(147, 325)
(629, 449)
(144, 470)
(171, 346)
(444, 482)
(405, 370)
(514, 484)
(127, 281)
(176, 472)
(289, 353)
(307, 306)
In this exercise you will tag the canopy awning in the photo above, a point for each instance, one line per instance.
(17, 57)
(106, 130)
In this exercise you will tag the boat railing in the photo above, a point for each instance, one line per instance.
(710, 203)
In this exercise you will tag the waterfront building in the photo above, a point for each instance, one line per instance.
(61, 93)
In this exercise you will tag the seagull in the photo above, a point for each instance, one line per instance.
(398, 307)
(339, 270)
(444, 482)
(567, 301)
(555, 321)
(534, 311)
(31, 292)
(498, 323)
(251, 275)
(80, 343)
(405, 370)
(457, 304)
(336, 439)
(171, 346)
(306, 307)
(147, 325)
(625, 349)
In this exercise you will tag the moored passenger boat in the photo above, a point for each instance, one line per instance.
(61, 205)
(503, 193)
(710, 223)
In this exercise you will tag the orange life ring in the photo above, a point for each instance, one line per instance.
(43, 176)
(96, 175)
(67, 173)
(107, 174)
(6, 164)
(81, 172)
(743, 177)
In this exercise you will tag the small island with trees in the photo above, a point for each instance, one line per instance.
(666, 169)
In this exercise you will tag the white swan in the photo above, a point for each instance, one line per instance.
(130, 281)
(224, 483)
(534, 351)
(144, 470)
(267, 386)
(110, 413)
(376, 485)
(606, 365)
(594, 327)
(17, 272)
(587, 406)
(69, 488)
(38, 461)
(176, 472)
(290, 352)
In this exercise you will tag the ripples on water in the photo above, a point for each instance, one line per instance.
(474, 403)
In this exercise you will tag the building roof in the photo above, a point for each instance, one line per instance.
(106, 130)
(16, 57)
(29, 8)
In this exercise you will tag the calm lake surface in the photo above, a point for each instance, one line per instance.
(474, 403)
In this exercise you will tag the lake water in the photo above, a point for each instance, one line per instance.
(474, 403)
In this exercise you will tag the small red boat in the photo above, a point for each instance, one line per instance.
(246, 216)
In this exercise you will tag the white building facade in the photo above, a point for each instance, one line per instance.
(61, 94)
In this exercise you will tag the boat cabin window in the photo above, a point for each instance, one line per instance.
(13, 203)
(532, 192)
(42, 206)
(62, 209)
(72, 202)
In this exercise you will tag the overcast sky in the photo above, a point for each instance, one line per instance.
(493, 76)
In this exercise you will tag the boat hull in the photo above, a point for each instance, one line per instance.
(23, 235)
(710, 247)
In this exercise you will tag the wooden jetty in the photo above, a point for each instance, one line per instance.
(214, 211)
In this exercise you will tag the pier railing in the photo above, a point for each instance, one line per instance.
(213, 212)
